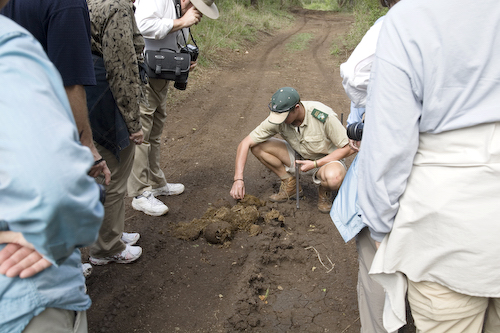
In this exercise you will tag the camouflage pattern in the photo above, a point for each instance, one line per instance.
(116, 37)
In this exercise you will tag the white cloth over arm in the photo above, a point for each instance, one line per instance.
(355, 72)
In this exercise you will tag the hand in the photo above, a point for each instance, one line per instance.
(354, 145)
(191, 17)
(101, 168)
(238, 190)
(137, 137)
(305, 165)
(18, 257)
(193, 65)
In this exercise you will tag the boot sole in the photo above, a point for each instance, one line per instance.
(293, 196)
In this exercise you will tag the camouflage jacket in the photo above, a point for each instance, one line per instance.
(116, 37)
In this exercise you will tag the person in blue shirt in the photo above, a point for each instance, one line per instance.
(430, 199)
(49, 205)
(345, 213)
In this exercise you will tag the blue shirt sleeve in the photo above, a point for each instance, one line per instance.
(356, 114)
(45, 191)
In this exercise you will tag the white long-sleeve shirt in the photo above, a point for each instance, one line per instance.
(433, 82)
(155, 20)
(355, 72)
(426, 77)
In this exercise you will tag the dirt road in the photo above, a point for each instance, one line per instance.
(297, 275)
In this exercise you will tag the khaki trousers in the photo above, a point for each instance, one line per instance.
(146, 171)
(109, 241)
(55, 320)
(371, 295)
(437, 309)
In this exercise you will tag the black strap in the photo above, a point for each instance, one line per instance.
(178, 13)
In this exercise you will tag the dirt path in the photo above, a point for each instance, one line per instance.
(273, 282)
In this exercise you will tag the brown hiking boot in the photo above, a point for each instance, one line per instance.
(324, 200)
(287, 191)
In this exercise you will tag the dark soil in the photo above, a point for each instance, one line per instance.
(288, 270)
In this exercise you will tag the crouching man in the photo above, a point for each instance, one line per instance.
(308, 128)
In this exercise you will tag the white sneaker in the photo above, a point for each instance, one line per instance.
(86, 269)
(130, 238)
(147, 203)
(130, 254)
(169, 189)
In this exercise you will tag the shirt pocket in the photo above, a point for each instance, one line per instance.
(316, 144)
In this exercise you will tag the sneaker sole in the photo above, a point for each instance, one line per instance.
(145, 211)
(157, 194)
(101, 262)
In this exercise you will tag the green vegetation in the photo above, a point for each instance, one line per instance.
(240, 22)
(366, 12)
(299, 42)
(238, 25)
(329, 5)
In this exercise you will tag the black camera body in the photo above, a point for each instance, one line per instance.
(102, 193)
(355, 131)
(193, 51)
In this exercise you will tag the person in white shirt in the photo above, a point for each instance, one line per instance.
(355, 74)
(164, 24)
(431, 198)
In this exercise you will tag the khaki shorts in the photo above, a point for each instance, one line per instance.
(291, 169)
(435, 308)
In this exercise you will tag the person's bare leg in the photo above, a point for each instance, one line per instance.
(274, 155)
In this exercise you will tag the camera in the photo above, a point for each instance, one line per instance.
(355, 131)
(193, 52)
(102, 193)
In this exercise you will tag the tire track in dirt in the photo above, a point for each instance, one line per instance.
(259, 66)
(245, 86)
(180, 286)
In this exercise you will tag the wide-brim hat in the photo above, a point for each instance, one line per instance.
(282, 102)
(207, 8)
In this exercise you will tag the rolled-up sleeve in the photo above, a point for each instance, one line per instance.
(151, 19)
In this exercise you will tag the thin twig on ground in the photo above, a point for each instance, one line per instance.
(328, 270)
(345, 329)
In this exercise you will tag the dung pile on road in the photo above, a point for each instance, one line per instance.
(220, 222)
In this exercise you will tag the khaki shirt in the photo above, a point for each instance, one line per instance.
(319, 134)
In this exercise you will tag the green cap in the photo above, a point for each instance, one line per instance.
(282, 102)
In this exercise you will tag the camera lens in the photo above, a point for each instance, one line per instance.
(180, 85)
(355, 131)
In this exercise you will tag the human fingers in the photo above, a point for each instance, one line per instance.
(37, 266)
(96, 169)
(107, 174)
(5, 254)
(12, 255)
(137, 137)
(28, 263)
(354, 145)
